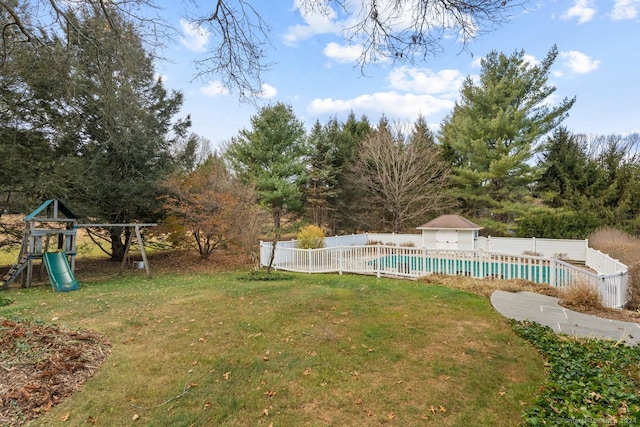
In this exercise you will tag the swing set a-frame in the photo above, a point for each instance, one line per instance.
(54, 219)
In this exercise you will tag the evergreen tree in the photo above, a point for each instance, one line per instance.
(321, 186)
(494, 129)
(348, 200)
(272, 158)
(92, 109)
(122, 127)
(566, 169)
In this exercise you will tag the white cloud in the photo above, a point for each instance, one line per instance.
(342, 54)
(578, 62)
(425, 81)
(195, 38)
(582, 9)
(413, 92)
(214, 88)
(315, 22)
(625, 9)
(531, 60)
(268, 91)
(405, 107)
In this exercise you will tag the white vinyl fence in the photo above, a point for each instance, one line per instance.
(551, 248)
(414, 262)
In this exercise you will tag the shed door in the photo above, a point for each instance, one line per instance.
(446, 239)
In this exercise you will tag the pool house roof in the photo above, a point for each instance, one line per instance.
(452, 222)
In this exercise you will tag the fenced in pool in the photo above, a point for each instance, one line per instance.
(416, 262)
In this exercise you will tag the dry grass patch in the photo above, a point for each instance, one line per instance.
(617, 244)
(582, 296)
(625, 248)
(485, 287)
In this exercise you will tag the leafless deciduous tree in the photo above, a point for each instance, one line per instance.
(411, 30)
(402, 179)
(396, 30)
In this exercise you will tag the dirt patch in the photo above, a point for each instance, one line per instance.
(41, 365)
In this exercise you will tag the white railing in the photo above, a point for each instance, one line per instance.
(550, 248)
(415, 262)
(603, 263)
(396, 239)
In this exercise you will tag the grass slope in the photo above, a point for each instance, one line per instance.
(210, 349)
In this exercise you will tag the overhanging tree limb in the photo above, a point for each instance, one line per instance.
(397, 30)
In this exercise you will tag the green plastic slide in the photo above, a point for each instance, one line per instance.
(60, 274)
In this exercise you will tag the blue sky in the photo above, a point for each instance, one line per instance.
(599, 64)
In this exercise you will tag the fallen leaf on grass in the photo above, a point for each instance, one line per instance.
(391, 416)
(135, 417)
(226, 375)
(307, 371)
(270, 393)
(265, 412)
(266, 356)
(65, 417)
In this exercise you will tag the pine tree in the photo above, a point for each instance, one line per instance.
(494, 130)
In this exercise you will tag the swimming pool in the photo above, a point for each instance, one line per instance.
(503, 269)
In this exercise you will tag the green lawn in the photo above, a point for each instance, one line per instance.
(315, 350)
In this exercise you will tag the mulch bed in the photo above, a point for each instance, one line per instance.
(41, 365)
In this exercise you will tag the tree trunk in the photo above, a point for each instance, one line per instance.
(117, 245)
(276, 215)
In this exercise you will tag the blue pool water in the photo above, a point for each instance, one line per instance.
(475, 268)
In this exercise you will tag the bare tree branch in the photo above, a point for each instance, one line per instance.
(402, 178)
(387, 30)
(239, 56)
(411, 30)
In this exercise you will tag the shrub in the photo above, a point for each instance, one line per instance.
(557, 224)
(310, 237)
(582, 295)
(531, 253)
(264, 276)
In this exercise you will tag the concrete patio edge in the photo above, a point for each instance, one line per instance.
(547, 311)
